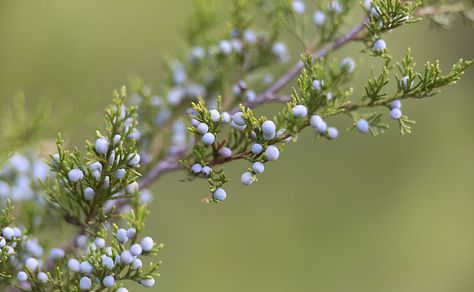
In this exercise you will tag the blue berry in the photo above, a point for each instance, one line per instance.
(85, 284)
(147, 282)
(16, 232)
(333, 133)
(253, 135)
(238, 119)
(363, 126)
(95, 166)
(8, 233)
(335, 6)
(225, 47)
(396, 113)
(107, 262)
(82, 240)
(348, 64)
(86, 268)
(208, 138)
(281, 51)
(319, 18)
(131, 232)
(367, 4)
(22, 276)
(99, 242)
(120, 173)
(380, 45)
(132, 188)
(226, 118)
(56, 253)
(73, 265)
(32, 263)
(269, 137)
(89, 194)
(108, 281)
(197, 53)
(135, 134)
(237, 45)
(215, 115)
(315, 120)
(237, 127)
(272, 153)
(329, 95)
(196, 168)
(106, 184)
(137, 264)
(42, 277)
(298, 6)
(202, 128)
(225, 152)
(206, 170)
(375, 11)
(258, 167)
(147, 244)
(195, 122)
(246, 178)
(75, 175)
(108, 251)
(126, 257)
(318, 85)
(116, 139)
(121, 235)
(101, 145)
(318, 124)
(269, 130)
(396, 104)
(257, 149)
(112, 157)
(300, 111)
(133, 159)
(136, 249)
(219, 195)
(250, 36)
(404, 83)
(251, 96)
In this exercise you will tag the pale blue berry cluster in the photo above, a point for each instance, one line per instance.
(267, 136)
(22, 255)
(111, 170)
(102, 265)
(20, 176)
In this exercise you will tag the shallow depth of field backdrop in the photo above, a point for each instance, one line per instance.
(359, 214)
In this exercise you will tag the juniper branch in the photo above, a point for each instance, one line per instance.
(171, 162)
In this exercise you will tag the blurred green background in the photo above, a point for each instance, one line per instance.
(359, 214)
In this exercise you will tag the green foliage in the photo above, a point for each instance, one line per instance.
(201, 22)
(20, 128)
(6, 217)
(67, 196)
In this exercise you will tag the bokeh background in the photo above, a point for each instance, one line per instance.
(359, 214)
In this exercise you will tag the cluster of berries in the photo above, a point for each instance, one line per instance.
(319, 17)
(22, 255)
(20, 176)
(107, 262)
(267, 137)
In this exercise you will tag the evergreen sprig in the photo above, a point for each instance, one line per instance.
(203, 119)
